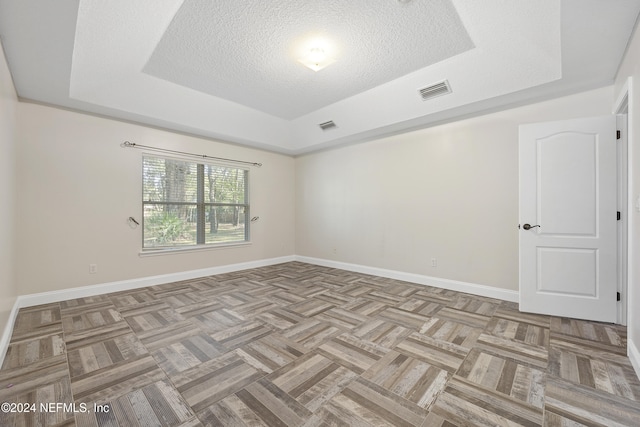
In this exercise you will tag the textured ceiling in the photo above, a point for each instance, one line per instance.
(249, 54)
(228, 70)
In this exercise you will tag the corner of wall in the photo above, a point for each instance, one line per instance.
(8, 291)
(634, 356)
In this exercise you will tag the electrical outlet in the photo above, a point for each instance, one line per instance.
(93, 268)
(434, 262)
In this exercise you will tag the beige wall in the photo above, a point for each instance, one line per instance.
(631, 68)
(8, 105)
(448, 192)
(76, 187)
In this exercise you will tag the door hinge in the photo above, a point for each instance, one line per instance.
(618, 217)
(617, 296)
(617, 134)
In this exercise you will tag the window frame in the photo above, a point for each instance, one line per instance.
(200, 207)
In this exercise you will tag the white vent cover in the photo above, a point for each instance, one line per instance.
(327, 125)
(435, 90)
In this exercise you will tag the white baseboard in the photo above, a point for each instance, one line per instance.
(8, 330)
(634, 356)
(454, 285)
(123, 285)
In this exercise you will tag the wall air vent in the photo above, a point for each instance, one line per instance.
(435, 90)
(327, 125)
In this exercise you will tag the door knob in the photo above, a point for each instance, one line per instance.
(529, 226)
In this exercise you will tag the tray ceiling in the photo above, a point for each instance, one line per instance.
(230, 71)
(249, 54)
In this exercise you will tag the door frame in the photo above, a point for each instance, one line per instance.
(625, 204)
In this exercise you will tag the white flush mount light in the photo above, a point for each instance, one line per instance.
(316, 59)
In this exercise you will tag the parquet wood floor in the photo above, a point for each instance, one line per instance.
(301, 345)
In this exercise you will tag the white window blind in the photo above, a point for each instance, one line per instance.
(187, 203)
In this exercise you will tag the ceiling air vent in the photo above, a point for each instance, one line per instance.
(435, 90)
(327, 125)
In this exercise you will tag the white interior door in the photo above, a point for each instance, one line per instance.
(568, 197)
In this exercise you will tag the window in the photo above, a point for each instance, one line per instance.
(193, 204)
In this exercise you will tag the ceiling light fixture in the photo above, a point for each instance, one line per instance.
(316, 59)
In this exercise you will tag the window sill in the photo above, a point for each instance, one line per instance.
(169, 251)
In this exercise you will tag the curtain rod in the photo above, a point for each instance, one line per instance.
(128, 144)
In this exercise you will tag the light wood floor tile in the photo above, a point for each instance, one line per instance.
(311, 307)
(509, 310)
(186, 351)
(261, 403)
(48, 392)
(465, 404)
(280, 318)
(156, 404)
(158, 338)
(612, 335)
(271, 352)
(296, 344)
(218, 320)
(78, 305)
(442, 354)
(375, 405)
(150, 317)
(584, 405)
(255, 308)
(365, 307)
(451, 332)
(439, 295)
(284, 298)
(412, 379)
(186, 299)
(212, 381)
(352, 352)
(312, 380)
(133, 298)
(312, 333)
(504, 376)
(341, 318)
(168, 290)
(104, 384)
(534, 355)
(477, 305)
(382, 333)
(273, 405)
(102, 354)
(85, 337)
(40, 320)
(525, 333)
(420, 306)
(384, 297)
(28, 351)
(98, 317)
(471, 319)
(202, 306)
(614, 377)
(335, 297)
(26, 378)
(403, 318)
(242, 334)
